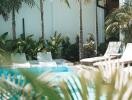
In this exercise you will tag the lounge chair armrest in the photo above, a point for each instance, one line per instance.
(116, 54)
(126, 61)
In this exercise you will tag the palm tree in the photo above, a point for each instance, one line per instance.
(81, 30)
(42, 19)
(77, 87)
(12, 6)
(42, 15)
(3, 9)
(120, 19)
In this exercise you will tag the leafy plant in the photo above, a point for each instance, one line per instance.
(120, 19)
(29, 46)
(102, 48)
(4, 57)
(13, 6)
(3, 9)
(89, 47)
(70, 51)
(3, 40)
(40, 90)
(4, 54)
(81, 26)
(78, 87)
(54, 45)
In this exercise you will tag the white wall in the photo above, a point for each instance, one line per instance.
(100, 14)
(57, 17)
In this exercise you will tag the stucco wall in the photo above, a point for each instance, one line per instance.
(100, 14)
(57, 17)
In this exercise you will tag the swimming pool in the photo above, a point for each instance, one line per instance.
(35, 70)
(15, 75)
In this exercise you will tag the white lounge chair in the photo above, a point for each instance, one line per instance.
(122, 78)
(111, 52)
(19, 60)
(125, 59)
(45, 59)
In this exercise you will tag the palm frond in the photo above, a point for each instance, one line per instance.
(67, 2)
(120, 18)
(40, 87)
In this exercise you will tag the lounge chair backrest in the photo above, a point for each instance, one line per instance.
(44, 56)
(18, 58)
(127, 54)
(113, 48)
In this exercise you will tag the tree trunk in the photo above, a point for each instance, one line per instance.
(42, 19)
(23, 27)
(81, 33)
(96, 28)
(13, 25)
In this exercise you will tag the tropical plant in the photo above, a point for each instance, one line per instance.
(81, 29)
(70, 51)
(89, 47)
(3, 40)
(13, 6)
(120, 19)
(65, 48)
(41, 8)
(4, 54)
(3, 9)
(4, 57)
(40, 89)
(42, 17)
(81, 32)
(54, 44)
(102, 48)
(77, 87)
(22, 45)
(29, 46)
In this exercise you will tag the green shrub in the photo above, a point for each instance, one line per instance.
(54, 45)
(26, 45)
(4, 51)
(70, 51)
(59, 47)
(102, 48)
(89, 47)
(29, 46)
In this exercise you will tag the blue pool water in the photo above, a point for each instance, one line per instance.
(40, 70)
(36, 70)
(15, 74)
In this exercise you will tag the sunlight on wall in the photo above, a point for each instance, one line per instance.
(57, 17)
